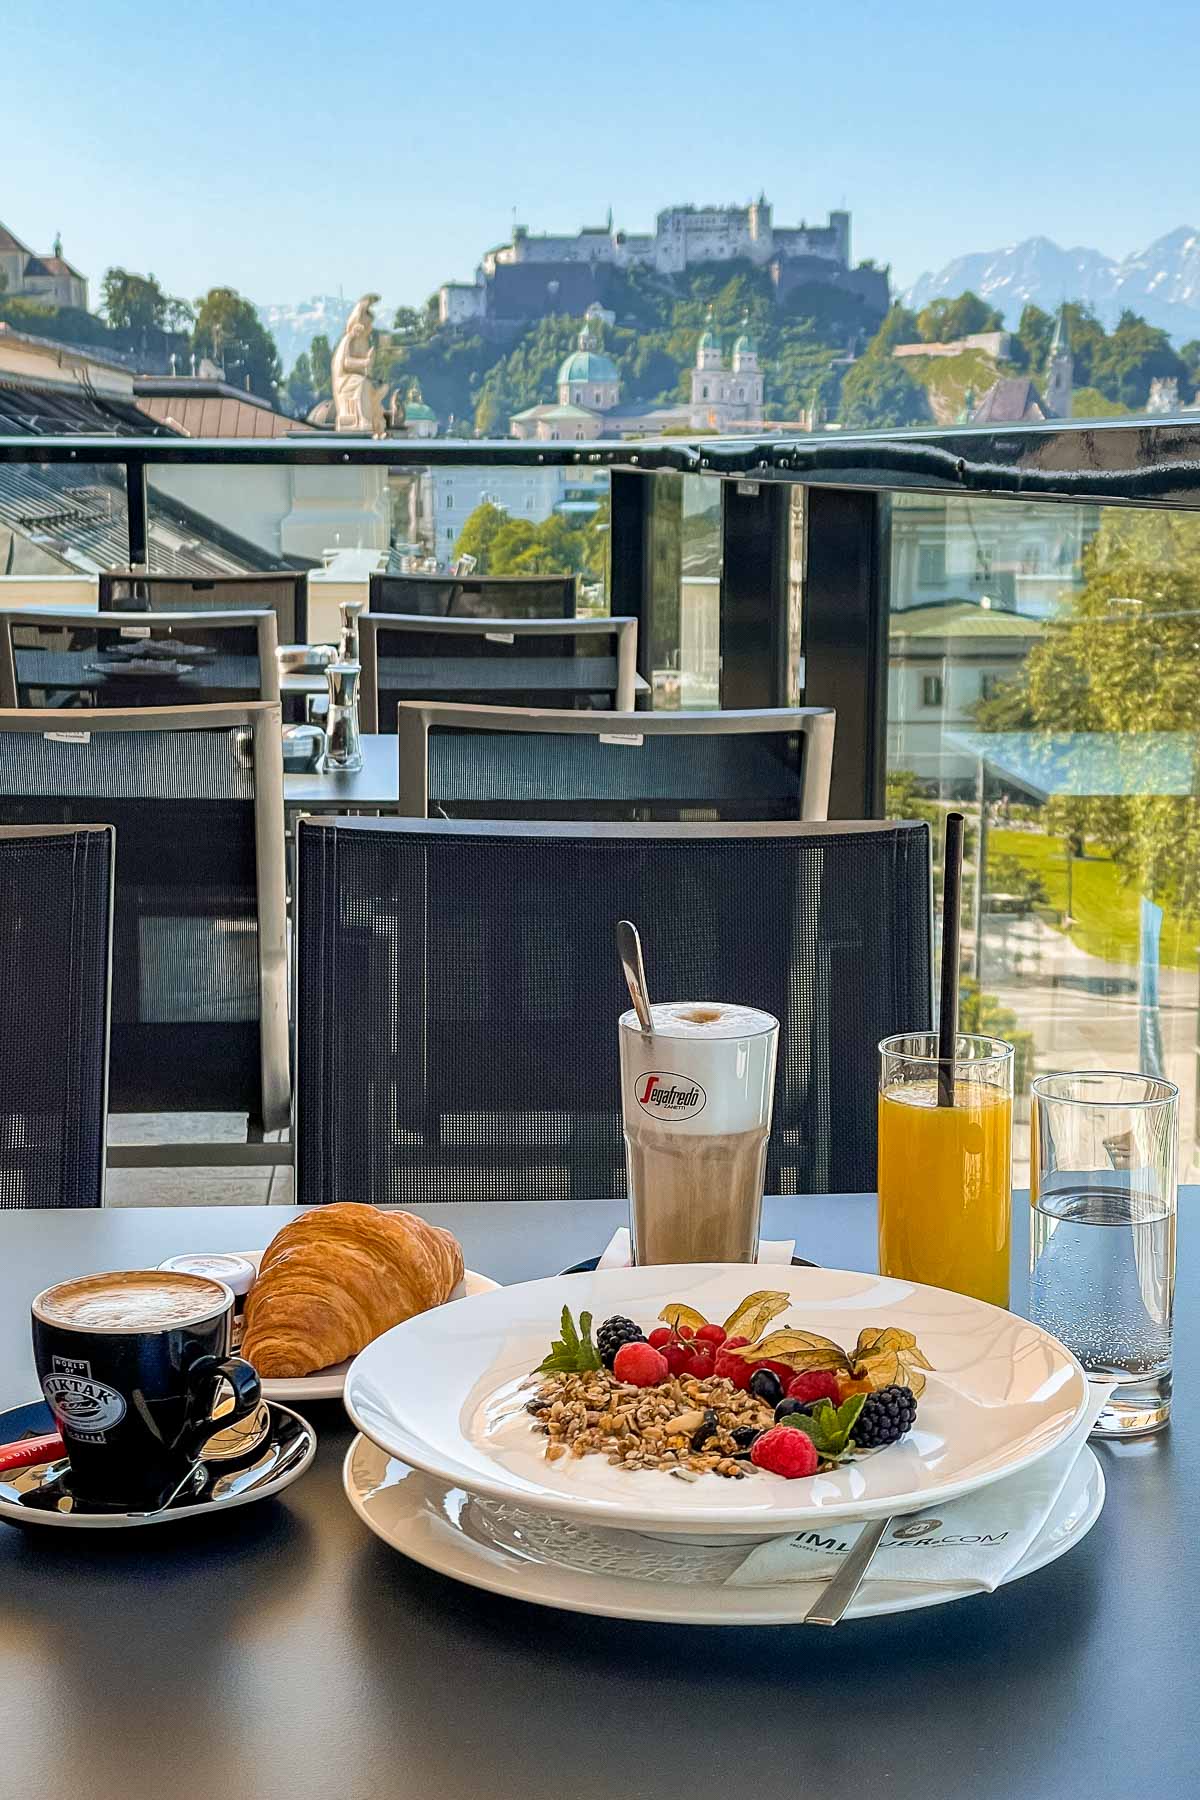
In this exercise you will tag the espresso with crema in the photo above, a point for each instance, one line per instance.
(697, 1092)
(131, 1300)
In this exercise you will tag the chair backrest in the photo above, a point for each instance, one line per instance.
(56, 908)
(476, 596)
(284, 591)
(458, 992)
(199, 1018)
(50, 657)
(491, 762)
(588, 663)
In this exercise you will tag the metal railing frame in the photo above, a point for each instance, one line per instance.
(1133, 462)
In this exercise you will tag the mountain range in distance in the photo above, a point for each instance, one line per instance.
(1162, 283)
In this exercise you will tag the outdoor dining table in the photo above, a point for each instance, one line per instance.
(283, 1653)
(375, 786)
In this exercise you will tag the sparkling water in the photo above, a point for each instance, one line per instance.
(1102, 1280)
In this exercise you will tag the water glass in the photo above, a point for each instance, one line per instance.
(1102, 1243)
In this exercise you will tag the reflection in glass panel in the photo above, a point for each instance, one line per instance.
(1043, 666)
(684, 600)
(343, 524)
(60, 524)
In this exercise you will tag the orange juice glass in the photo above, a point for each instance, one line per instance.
(945, 1172)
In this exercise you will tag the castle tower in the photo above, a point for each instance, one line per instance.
(708, 350)
(1060, 369)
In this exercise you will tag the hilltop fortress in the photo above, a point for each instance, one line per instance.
(532, 276)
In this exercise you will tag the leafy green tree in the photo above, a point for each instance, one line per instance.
(320, 364)
(1124, 658)
(229, 331)
(878, 392)
(300, 396)
(138, 305)
(1090, 403)
(1031, 345)
(1134, 354)
(479, 533)
(944, 321)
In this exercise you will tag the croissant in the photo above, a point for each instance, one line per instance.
(336, 1277)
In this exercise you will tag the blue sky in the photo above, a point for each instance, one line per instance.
(291, 149)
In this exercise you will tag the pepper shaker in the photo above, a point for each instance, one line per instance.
(343, 742)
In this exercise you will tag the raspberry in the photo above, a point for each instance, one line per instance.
(640, 1364)
(712, 1334)
(733, 1368)
(815, 1384)
(659, 1336)
(785, 1451)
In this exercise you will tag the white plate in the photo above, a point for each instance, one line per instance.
(444, 1392)
(327, 1384)
(621, 1575)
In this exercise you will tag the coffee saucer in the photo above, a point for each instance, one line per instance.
(277, 1450)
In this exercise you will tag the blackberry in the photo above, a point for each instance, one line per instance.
(887, 1415)
(613, 1333)
(745, 1435)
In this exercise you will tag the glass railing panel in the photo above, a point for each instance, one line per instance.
(343, 524)
(1043, 666)
(684, 597)
(60, 524)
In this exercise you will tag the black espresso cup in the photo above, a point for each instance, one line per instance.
(132, 1365)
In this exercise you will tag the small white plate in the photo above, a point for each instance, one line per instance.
(327, 1384)
(446, 1394)
(621, 1575)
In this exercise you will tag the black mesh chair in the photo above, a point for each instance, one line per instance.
(284, 591)
(56, 889)
(490, 762)
(476, 596)
(458, 993)
(199, 1013)
(55, 658)
(588, 663)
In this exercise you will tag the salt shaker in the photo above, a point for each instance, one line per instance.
(343, 742)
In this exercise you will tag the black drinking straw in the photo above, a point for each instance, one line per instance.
(951, 913)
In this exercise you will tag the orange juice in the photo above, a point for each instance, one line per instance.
(945, 1187)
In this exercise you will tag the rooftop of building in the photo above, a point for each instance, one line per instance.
(962, 618)
(196, 406)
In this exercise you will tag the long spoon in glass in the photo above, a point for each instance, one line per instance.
(629, 949)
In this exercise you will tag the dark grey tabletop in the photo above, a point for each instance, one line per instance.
(283, 1653)
(377, 783)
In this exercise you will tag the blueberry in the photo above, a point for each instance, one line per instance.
(766, 1384)
(787, 1407)
(745, 1435)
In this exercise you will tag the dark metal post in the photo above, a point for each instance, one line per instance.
(627, 545)
(754, 598)
(845, 639)
(137, 514)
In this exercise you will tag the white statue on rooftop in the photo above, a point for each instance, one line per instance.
(356, 397)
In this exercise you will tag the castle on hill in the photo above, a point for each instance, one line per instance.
(724, 397)
(534, 275)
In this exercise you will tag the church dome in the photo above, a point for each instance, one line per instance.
(588, 365)
(745, 345)
(708, 341)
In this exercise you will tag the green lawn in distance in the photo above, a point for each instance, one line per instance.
(1105, 908)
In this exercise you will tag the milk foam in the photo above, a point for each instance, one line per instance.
(703, 1021)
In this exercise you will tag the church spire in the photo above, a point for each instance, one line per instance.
(1060, 369)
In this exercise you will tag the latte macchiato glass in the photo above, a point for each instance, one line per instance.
(132, 1364)
(696, 1096)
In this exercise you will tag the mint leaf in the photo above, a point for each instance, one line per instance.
(572, 1351)
(827, 1426)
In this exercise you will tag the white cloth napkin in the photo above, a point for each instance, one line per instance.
(618, 1253)
(974, 1542)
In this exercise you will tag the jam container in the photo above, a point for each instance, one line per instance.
(237, 1272)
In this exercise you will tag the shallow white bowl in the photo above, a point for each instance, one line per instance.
(445, 1393)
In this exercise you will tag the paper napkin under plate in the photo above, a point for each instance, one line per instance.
(974, 1542)
(618, 1253)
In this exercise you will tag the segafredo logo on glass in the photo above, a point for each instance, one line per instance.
(667, 1096)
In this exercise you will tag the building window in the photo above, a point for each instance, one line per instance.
(704, 392)
(931, 690)
(931, 563)
(449, 534)
(989, 686)
(449, 502)
(529, 503)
